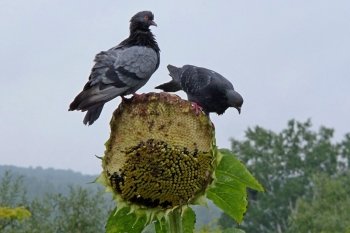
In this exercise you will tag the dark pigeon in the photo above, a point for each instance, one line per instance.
(210, 90)
(121, 70)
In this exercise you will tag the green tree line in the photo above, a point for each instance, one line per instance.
(306, 177)
(81, 210)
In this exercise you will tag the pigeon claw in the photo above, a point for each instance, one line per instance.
(196, 108)
(126, 100)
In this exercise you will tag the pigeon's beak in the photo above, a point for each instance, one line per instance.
(239, 110)
(153, 23)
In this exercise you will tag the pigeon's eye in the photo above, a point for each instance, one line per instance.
(146, 17)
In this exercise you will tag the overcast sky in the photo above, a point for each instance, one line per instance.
(289, 59)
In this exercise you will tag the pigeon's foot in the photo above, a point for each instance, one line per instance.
(125, 100)
(196, 108)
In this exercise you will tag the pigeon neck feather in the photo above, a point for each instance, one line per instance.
(142, 37)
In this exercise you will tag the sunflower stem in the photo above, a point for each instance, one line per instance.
(175, 223)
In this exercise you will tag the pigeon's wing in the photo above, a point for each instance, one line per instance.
(207, 88)
(193, 80)
(197, 80)
(128, 68)
(118, 71)
(214, 85)
(135, 65)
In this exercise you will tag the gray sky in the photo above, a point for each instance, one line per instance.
(289, 59)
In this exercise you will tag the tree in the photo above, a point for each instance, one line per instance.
(12, 192)
(12, 195)
(284, 163)
(328, 209)
(81, 210)
(345, 152)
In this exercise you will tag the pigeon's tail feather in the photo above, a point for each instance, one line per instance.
(174, 72)
(74, 105)
(174, 85)
(171, 86)
(93, 97)
(92, 101)
(93, 114)
(80, 100)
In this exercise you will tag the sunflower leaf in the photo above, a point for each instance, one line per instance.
(229, 190)
(230, 198)
(230, 167)
(188, 219)
(122, 220)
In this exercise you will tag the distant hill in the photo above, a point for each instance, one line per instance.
(39, 181)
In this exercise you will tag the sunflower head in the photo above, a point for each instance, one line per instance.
(161, 153)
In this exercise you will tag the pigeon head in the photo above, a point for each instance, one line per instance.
(234, 99)
(142, 21)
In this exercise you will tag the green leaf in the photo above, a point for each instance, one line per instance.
(231, 198)
(188, 220)
(123, 221)
(229, 190)
(231, 167)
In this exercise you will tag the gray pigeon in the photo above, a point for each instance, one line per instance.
(121, 70)
(210, 90)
